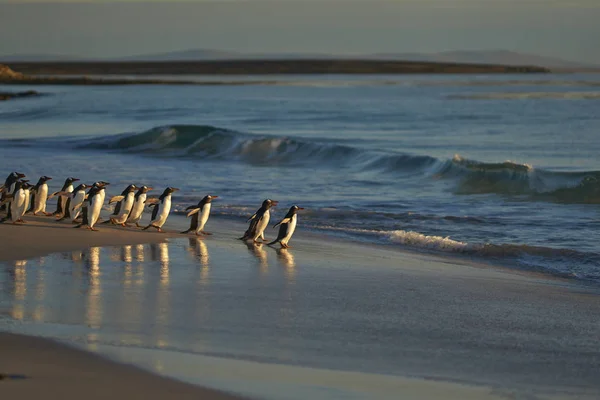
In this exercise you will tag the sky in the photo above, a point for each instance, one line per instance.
(97, 28)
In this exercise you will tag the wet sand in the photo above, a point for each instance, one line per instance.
(515, 335)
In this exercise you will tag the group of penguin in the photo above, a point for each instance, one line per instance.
(83, 203)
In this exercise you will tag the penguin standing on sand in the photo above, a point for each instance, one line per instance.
(9, 188)
(287, 226)
(16, 203)
(27, 190)
(161, 209)
(124, 205)
(76, 200)
(200, 214)
(95, 201)
(61, 203)
(138, 206)
(39, 196)
(259, 222)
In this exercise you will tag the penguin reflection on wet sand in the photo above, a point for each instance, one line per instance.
(39, 197)
(161, 209)
(287, 226)
(259, 222)
(200, 214)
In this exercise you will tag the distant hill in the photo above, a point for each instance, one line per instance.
(504, 57)
(491, 57)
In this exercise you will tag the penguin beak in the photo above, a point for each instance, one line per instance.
(274, 202)
(75, 179)
(174, 189)
(150, 188)
(48, 178)
(300, 208)
(214, 197)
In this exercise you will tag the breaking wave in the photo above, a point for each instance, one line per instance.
(201, 142)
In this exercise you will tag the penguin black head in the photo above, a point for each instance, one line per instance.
(294, 209)
(168, 191)
(26, 185)
(268, 203)
(207, 199)
(143, 189)
(44, 179)
(130, 188)
(71, 180)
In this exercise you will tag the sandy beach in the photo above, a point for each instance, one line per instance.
(497, 319)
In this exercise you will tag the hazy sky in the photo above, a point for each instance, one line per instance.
(569, 29)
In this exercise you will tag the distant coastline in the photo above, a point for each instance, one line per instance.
(75, 72)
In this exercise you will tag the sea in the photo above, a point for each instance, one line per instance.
(501, 168)
(486, 170)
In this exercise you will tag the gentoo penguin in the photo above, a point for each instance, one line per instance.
(39, 196)
(9, 188)
(259, 222)
(85, 204)
(95, 201)
(61, 203)
(27, 189)
(138, 206)
(123, 206)
(161, 209)
(76, 201)
(16, 202)
(200, 214)
(287, 227)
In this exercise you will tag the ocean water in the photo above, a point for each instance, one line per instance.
(499, 168)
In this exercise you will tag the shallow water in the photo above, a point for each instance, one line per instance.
(504, 168)
(169, 306)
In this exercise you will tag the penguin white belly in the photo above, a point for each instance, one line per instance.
(77, 199)
(138, 209)
(63, 199)
(125, 208)
(17, 205)
(203, 217)
(94, 209)
(27, 200)
(262, 225)
(290, 230)
(41, 196)
(163, 213)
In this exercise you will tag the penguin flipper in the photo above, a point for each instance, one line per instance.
(193, 211)
(283, 221)
(114, 199)
(152, 201)
(251, 218)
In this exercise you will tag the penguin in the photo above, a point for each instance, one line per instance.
(27, 190)
(287, 227)
(39, 196)
(123, 206)
(138, 206)
(95, 201)
(161, 209)
(76, 200)
(61, 203)
(85, 204)
(200, 214)
(16, 202)
(259, 222)
(9, 188)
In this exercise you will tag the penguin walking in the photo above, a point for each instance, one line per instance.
(9, 188)
(138, 206)
(63, 195)
(287, 226)
(161, 209)
(27, 190)
(16, 202)
(85, 204)
(259, 222)
(95, 201)
(39, 196)
(76, 200)
(124, 205)
(200, 214)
